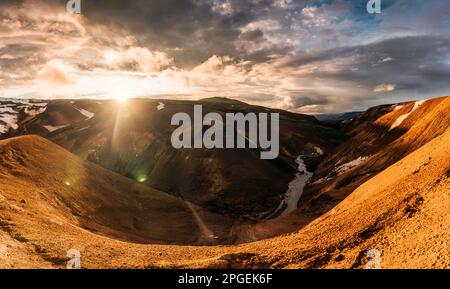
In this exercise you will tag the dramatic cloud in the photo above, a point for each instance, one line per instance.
(306, 56)
(384, 88)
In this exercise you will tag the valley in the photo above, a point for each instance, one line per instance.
(101, 177)
(134, 140)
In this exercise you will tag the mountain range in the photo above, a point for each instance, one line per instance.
(101, 176)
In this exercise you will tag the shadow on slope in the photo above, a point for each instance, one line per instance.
(42, 180)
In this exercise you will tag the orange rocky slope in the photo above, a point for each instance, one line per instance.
(402, 212)
(382, 136)
(376, 144)
(41, 184)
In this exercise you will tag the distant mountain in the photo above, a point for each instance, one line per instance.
(338, 117)
(223, 100)
(13, 110)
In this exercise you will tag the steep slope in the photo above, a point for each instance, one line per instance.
(381, 136)
(373, 148)
(43, 184)
(402, 212)
(133, 139)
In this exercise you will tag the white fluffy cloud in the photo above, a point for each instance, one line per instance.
(384, 88)
(135, 58)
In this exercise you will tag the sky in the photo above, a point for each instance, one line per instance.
(300, 55)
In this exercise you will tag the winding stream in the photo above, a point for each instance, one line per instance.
(295, 190)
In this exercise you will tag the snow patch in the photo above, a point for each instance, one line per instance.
(321, 180)
(86, 113)
(402, 118)
(9, 120)
(348, 121)
(319, 151)
(6, 109)
(51, 128)
(340, 169)
(350, 165)
(26, 102)
(34, 112)
(9, 111)
(160, 106)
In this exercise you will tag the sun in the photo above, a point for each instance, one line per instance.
(120, 95)
(121, 98)
(119, 88)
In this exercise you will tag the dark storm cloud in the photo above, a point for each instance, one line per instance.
(252, 35)
(194, 29)
(16, 59)
(303, 98)
(411, 63)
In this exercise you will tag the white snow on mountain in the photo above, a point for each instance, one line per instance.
(7, 121)
(10, 108)
(350, 165)
(319, 151)
(34, 111)
(51, 128)
(86, 113)
(160, 106)
(6, 109)
(402, 118)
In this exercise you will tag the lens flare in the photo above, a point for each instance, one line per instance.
(142, 179)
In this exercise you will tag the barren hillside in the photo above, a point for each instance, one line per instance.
(402, 212)
(41, 182)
